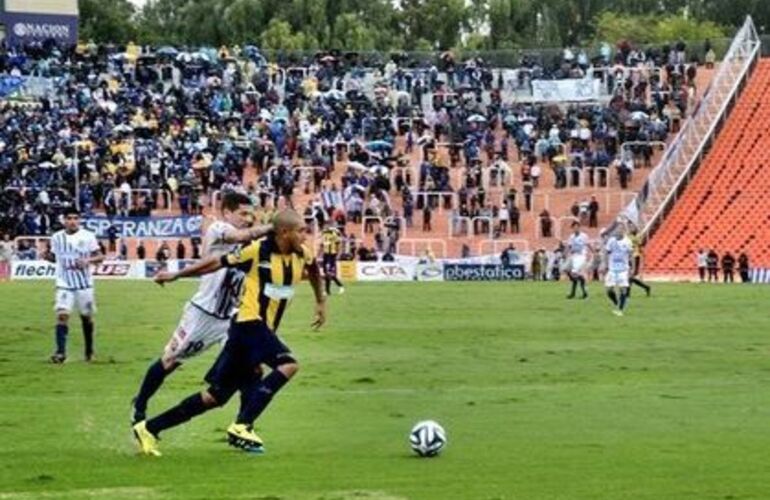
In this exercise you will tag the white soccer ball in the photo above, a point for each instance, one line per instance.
(427, 438)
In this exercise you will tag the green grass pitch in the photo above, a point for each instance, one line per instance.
(542, 398)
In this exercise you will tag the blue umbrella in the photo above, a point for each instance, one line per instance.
(379, 146)
(167, 51)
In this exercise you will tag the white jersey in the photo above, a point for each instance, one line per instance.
(69, 249)
(619, 253)
(578, 244)
(219, 292)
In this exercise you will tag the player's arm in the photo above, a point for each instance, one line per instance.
(246, 235)
(96, 257)
(313, 271)
(203, 266)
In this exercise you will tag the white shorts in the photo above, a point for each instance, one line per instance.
(196, 332)
(577, 263)
(616, 278)
(65, 300)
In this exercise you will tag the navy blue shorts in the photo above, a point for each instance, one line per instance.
(249, 344)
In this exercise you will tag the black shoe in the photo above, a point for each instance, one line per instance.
(571, 296)
(90, 357)
(58, 358)
(585, 295)
(137, 415)
(649, 291)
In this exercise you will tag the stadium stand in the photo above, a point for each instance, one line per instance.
(725, 207)
(139, 132)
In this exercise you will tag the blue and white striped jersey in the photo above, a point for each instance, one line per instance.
(69, 249)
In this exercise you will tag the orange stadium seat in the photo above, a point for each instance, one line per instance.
(726, 206)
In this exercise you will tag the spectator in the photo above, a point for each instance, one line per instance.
(701, 260)
(593, 212)
(743, 267)
(141, 252)
(728, 265)
(181, 250)
(546, 224)
(164, 252)
(426, 216)
(112, 237)
(123, 250)
(712, 265)
(509, 256)
(6, 254)
(515, 215)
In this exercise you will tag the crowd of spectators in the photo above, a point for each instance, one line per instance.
(131, 130)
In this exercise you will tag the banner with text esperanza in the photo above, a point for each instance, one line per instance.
(146, 227)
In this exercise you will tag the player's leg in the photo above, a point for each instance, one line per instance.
(224, 377)
(609, 283)
(195, 333)
(328, 283)
(333, 274)
(65, 300)
(622, 283)
(573, 278)
(258, 394)
(87, 306)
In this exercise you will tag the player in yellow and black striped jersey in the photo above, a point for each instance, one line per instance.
(331, 242)
(273, 266)
(636, 269)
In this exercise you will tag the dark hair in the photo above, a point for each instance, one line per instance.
(71, 211)
(576, 224)
(232, 200)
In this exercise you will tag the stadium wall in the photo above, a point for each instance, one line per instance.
(29, 21)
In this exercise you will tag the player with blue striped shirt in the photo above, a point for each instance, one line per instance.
(617, 258)
(74, 250)
(577, 248)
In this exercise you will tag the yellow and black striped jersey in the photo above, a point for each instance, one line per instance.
(636, 242)
(268, 286)
(331, 241)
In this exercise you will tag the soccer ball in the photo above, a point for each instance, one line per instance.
(427, 438)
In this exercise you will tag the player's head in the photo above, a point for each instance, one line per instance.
(237, 209)
(576, 227)
(71, 217)
(290, 230)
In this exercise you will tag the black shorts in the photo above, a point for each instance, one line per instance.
(249, 344)
(330, 264)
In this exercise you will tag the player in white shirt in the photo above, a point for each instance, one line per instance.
(206, 317)
(577, 251)
(74, 250)
(618, 252)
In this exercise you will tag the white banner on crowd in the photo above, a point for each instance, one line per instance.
(573, 89)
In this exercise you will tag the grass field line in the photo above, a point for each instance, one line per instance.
(133, 492)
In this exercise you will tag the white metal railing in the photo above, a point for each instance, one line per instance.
(662, 185)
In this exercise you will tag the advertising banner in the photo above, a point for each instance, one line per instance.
(22, 28)
(385, 271)
(346, 270)
(146, 227)
(483, 272)
(42, 269)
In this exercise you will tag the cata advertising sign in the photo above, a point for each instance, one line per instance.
(483, 272)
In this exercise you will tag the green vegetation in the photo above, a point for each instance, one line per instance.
(542, 398)
(413, 24)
